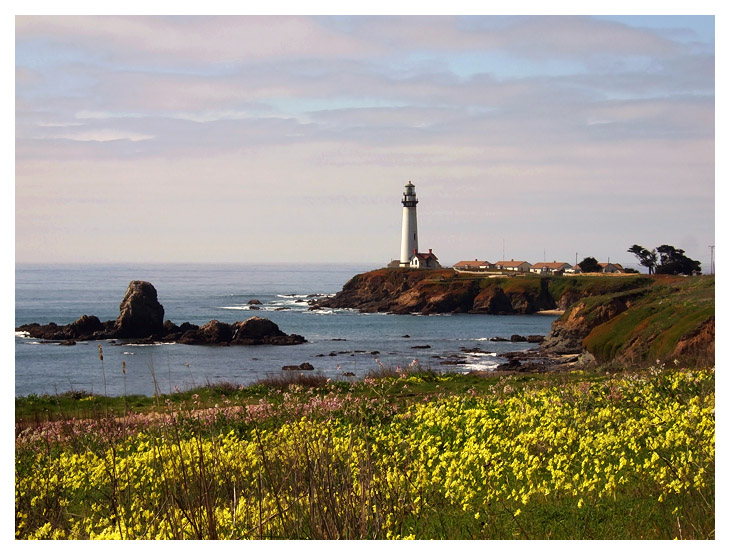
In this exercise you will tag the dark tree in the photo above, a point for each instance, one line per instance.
(673, 261)
(646, 257)
(589, 264)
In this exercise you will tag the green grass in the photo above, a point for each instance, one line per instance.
(596, 285)
(656, 319)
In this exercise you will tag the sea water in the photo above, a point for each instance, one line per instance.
(339, 341)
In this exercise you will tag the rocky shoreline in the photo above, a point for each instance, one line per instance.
(671, 320)
(141, 320)
(631, 321)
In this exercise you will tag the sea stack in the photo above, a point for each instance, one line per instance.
(140, 313)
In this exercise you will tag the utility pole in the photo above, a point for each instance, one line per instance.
(712, 259)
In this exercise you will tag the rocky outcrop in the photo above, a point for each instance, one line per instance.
(256, 328)
(302, 366)
(84, 329)
(254, 331)
(212, 333)
(260, 331)
(404, 291)
(626, 319)
(664, 321)
(568, 332)
(698, 343)
(140, 313)
(86, 326)
(568, 298)
(141, 320)
(492, 300)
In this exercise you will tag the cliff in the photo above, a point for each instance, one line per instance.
(630, 320)
(406, 291)
(671, 318)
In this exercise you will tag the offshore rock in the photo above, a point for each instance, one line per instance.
(86, 326)
(256, 328)
(261, 331)
(140, 313)
(212, 333)
(302, 366)
(140, 320)
(84, 329)
(254, 331)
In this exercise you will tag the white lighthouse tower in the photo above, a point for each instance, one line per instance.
(409, 237)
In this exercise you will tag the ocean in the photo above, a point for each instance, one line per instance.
(338, 341)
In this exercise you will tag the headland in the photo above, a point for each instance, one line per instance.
(628, 320)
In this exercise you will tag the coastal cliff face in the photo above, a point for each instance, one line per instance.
(630, 320)
(670, 319)
(405, 291)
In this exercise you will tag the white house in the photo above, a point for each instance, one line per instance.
(513, 265)
(425, 260)
(611, 268)
(552, 268)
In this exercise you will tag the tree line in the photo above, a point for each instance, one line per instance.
(664, 259)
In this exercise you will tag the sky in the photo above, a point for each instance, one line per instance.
(229, 139)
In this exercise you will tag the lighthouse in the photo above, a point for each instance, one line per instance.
(409, 237)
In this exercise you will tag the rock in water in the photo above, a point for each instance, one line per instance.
(140, 314)
(257, 328)
(260, 331)
(85, 326)
(141, 318)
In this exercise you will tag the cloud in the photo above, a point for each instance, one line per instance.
(196, 128)
(194, 40)
(102, 136)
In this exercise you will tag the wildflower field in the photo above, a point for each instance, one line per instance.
(401, 455)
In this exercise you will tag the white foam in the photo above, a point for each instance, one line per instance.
(321, 311)
(480, 366)
(153, 344)
(22, 334)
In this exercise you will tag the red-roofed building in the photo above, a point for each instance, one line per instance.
(425, 260)
(473, 265)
